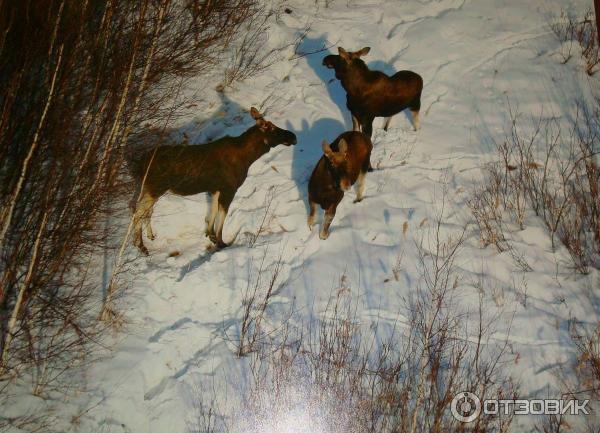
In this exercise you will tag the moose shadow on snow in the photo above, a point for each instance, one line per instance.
(307, 152)
(334, 88)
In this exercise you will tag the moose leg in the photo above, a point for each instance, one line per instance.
(147, 222)
(367, 126)
(224, 202)
(360, 186)
(329, 215)
(415, 106)
(355, 123)
(222, 213)
(142, 210)
(212, 214)
(312, 214)
(386, 125)
(415, 118)
(367, 123)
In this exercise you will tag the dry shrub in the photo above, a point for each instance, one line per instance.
(77, 78)
(588, 360)
(249, 55)
(266, 219)
(580, 381)
(552, 171)
(353, 380)
(582, 31)
(338, 374)
(486, 206)
(257, 295)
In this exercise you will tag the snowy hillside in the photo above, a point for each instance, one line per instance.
(184, 305)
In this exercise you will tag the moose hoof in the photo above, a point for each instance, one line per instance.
(324, 235)
(221, 245)
(218, 243)
(358, 200)
(143, 249)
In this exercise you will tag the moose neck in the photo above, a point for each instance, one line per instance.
(353, 78)
(333, 175)
(254, 144)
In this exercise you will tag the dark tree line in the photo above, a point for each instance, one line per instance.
(77, 79)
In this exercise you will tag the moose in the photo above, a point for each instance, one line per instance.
(371, 94)
(218, 168)
(344, 162)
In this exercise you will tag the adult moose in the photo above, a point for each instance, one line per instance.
(219, 168)
(371, 94)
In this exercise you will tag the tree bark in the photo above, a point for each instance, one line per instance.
(107, 309)
(19, 301)
(597, 10)
(6, 217)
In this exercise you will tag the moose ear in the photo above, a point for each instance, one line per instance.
(343, 54)
(363, 51)
(255, 114)
(327, 149)
(262, 124)
(343, 146)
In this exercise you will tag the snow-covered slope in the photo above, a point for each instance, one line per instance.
(183, 310)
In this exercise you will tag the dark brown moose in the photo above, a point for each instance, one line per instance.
(371, 94)
(344, 162)
(218, 168)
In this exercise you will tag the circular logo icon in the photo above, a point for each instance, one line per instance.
(465, 407)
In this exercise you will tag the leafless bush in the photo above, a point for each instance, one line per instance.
(485, 205)
(552, 171)
(257, 296)
(336, 373)
(266, 219)
(579, 381)
(563, 29)
(76, 79)
(249, 54)
(569, 30)
(206, 415)
(588, 360)
(299, 52)
(520, 290)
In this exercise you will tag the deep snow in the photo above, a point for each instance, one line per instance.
(473, 55)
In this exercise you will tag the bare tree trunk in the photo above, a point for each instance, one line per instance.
(107, 309)
(7, 216)
(597, 10)
(108, 313)
(19, 302)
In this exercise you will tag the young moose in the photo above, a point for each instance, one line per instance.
(346, 161)
(219, 168)
(371, 94)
